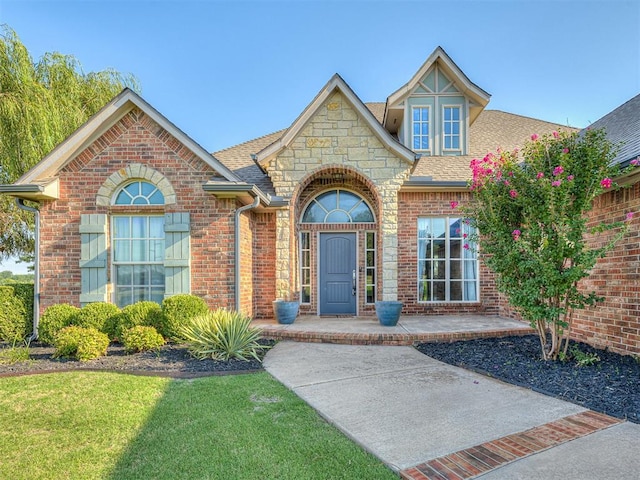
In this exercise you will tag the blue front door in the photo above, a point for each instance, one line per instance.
(337, 274)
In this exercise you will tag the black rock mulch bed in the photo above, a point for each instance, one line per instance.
(610, 386)
(169, 361)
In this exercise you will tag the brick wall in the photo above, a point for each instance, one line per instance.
(411, 206)
(615, 323)
(137, 139)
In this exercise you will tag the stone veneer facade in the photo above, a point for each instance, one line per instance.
(336, 136)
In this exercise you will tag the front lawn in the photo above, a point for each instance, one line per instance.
(90, 425)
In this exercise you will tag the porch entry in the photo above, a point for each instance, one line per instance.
(338, 276)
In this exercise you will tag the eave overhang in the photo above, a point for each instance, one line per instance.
(35, 192)
(427, 184)
(245, 193)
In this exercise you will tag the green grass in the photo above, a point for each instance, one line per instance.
(89, 425)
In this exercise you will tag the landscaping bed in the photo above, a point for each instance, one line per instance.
(610, 385)
(171, 360)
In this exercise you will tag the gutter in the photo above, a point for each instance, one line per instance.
(236, 237)
(36, 269)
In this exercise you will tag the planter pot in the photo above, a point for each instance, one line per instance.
(388, 312)
(285, 312)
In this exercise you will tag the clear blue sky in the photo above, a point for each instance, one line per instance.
(227, 72)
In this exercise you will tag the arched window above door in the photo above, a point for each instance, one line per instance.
(338, 206)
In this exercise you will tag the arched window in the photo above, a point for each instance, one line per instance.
(139, 193)
(338, 206)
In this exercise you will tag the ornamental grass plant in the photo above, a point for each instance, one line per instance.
(221, 335)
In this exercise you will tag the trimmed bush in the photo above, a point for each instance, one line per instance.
(177, 310)
(97, 315)
(141, 339)
(24, 291)
(147, 314)
(54, 319)
(80, 343)
(222, 335)
(13, 320)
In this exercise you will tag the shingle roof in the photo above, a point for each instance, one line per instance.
(492, 129)
(622, 126)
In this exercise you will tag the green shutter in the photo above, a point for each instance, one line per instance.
(93, 258)
(176, 256)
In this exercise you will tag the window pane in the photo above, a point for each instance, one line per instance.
(447, 142)
(156, 250)
(157, 198)
(425, 143)
(139, 250)
(371, 258)
(328, 200)
(454, 228)
(306, 276)
(439, 291)
(122, 251)
(455, 128)
(455, 249)
(141, 275)
(439, 249)
(157, 295)
(456, 142)
(439, 270)
(424, 270)
(423, 227)
(438, 227)
(140, 201)
(455, 269)
(139, 294)
(147, 189)
(306, 294)
(456, 113)
(470, 292)
(348, 200)
(123, 198)
(157, 275)
(371, 240)
(470, 270)
(156, 227)
(362, 214)
(304, 240)
(424, 291)
(416, 114)
(121, 227)
(455, 291)
(447, 129)
(447, 114)
(416, 143)
(123, 274)
(338, 216)
(133, 189)
(314, 214)
(123, 297)
(139, 227)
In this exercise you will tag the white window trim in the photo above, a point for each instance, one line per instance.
(430, 123)
(302, 268)
(112, 242)
(374, 268)
(447, 259)
(459, 149)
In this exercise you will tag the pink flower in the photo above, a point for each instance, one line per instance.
(556, 183)
(557, 171)
(606, 183)
(464, 235)
(629, 216)
(453, 204)
(466, 246)
(565, 150)
(539, 175)
(511, 174)
(570, 177)
(635, 162)
(506, 182)
(555, 134)
(534, 137)
(516, 234)
(513, 193)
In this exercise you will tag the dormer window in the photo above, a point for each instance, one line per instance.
(451, 127)
(421, 137)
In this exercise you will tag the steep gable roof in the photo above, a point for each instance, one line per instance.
(336, 83)
(98, 124)
(477, 95)
(622, 126)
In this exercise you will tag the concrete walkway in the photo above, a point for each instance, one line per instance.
(419, 415)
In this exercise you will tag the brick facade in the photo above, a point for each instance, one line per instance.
(136, 139)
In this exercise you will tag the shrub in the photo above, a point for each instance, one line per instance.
(141, 339)
(221, 335)
(13, 324)
(177, 310)
(54, 319)
(80, 343)
(147, 314)
(97, 315)
(15, 354)
(24, 291)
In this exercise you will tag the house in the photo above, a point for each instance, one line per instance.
(348, 205)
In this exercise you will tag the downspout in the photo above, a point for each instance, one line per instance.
(239, 211)
(36, 268)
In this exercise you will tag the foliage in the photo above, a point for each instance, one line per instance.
(13, 323)
(54, 319)
(140, 313)
(15, 353)
(80, 343)
(584, 359)
(98, 315)
(141, 339)
(221, 335)
(8, 277)
(532, 218)
(177, 310)
(42, 103)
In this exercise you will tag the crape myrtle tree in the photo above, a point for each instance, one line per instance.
(531, 209)
(41, 103)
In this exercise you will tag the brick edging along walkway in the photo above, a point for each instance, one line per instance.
(480, 459)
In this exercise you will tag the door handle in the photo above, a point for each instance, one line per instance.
(353, 289)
